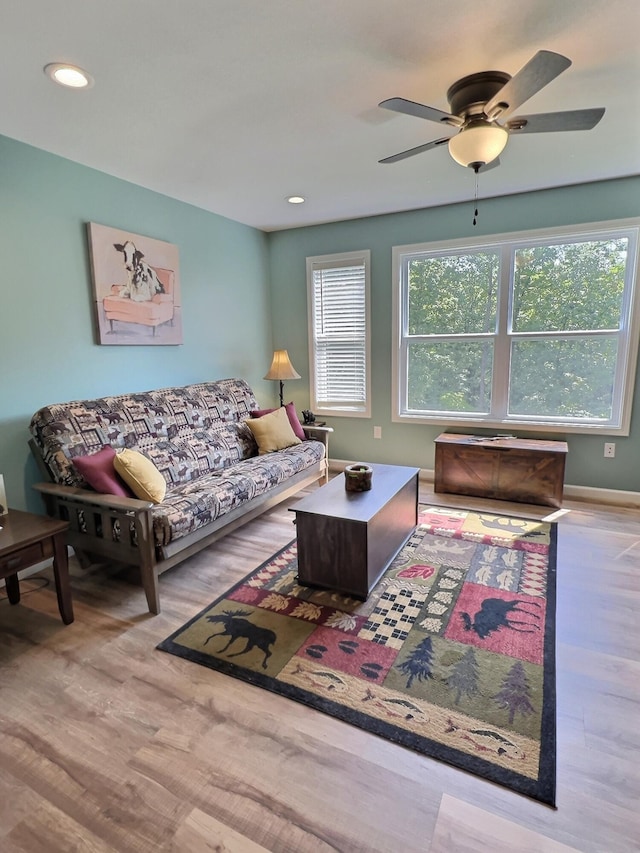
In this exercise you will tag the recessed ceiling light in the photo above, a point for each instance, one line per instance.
(68, 75)
(295, 199)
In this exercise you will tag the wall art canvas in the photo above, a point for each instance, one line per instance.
(136, 288)
(4, 507)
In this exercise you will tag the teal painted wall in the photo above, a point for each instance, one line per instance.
(412, 444)
(243, 294)
(48, 349)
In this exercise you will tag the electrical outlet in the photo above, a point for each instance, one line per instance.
(609, 450)
(377, 432)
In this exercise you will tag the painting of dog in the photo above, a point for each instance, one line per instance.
(136, 285)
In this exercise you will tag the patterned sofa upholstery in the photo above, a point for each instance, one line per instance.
(197, 437)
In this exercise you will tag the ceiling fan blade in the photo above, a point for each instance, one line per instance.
(417, 150)
(540, 70)
(411, 108)
(549, 122)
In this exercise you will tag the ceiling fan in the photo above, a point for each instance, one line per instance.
(479, 100)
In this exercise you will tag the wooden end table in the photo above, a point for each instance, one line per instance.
(27, 539)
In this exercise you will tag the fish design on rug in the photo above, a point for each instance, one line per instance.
(321, 678)
(396, 707)
(486, 740)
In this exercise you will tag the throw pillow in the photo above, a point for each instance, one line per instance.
(138, 472)
(294, 420)
(97, 469)
(273, 431)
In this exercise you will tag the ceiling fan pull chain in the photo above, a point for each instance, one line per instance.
(475, 198)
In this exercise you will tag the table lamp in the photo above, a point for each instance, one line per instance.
(281, 369)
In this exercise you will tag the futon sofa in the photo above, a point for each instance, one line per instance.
(197, 438)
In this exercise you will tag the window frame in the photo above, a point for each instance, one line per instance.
(355, 258)
(507, 244)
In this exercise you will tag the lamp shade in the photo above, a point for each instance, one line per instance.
(478, 143)
(281, 367)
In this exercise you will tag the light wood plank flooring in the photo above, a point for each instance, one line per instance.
(109, 745)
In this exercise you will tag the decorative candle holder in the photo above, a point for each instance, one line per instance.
(357, 477)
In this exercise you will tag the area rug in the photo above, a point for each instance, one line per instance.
(452, 655)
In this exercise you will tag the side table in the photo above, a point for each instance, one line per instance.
(320, 433)
(27, 539)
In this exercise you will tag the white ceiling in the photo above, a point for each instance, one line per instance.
(232, 105)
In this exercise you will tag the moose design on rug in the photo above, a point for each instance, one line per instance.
(494, 615)
(237, 627)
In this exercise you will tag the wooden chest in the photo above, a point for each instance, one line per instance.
(511, 469)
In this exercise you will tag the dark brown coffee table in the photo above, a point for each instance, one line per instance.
(346, 540)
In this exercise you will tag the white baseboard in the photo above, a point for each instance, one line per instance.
(614, 497)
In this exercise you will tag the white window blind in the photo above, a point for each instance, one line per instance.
(339, 335)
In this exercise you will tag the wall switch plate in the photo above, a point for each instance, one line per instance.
(377, 432)
(609, 450)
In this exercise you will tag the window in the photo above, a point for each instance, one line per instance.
(535, 330)
(338, 291)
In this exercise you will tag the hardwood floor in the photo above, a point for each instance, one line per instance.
(109, 745)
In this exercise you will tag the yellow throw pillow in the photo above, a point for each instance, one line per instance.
(273, 431)
(141, 475)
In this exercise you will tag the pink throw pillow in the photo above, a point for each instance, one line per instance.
(294, 420)
(97, 469)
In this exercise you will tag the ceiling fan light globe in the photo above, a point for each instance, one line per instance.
(478, 143)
